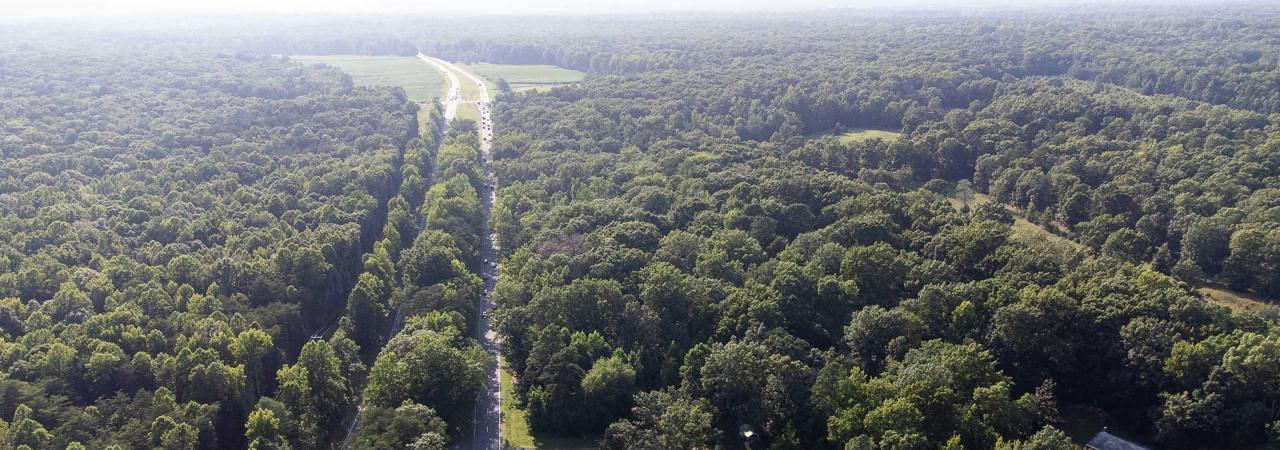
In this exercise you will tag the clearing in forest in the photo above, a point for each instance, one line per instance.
(420, 82)
(1023, 229)
(525, 77)
(858, 135)
(1030, 233)
(1237, 301)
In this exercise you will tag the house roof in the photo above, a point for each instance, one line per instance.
(1108, 441)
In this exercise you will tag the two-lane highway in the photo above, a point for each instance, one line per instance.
(487, 420)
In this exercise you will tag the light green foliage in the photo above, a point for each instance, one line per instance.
(664, 419)
(263, 431)
(410, 425)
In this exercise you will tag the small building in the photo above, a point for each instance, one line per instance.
(750, 439)
(1107, 441)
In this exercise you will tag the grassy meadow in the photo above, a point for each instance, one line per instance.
(421, 82)
(1236, 300)
(523, 77)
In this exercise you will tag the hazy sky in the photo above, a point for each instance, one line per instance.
(64, 8)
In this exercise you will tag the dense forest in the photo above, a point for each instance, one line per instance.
(176, 231)
(203, 245)
(807, 289)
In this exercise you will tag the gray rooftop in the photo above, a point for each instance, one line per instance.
(1108, 441)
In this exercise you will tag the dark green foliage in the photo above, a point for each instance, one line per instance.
(176, 223)
(681, 259)
(735, 260)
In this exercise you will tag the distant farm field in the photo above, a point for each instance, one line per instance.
(522, 77)
(420, 80)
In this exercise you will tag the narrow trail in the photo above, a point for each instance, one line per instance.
(451, 101)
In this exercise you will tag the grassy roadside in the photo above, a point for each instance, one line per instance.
(468, 89)
(515, 425)
(515, 429)
(469, 111)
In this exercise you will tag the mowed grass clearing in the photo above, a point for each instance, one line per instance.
(420, 81)
(524, 77)
(469, 111)
(515, 426)
(859, 135)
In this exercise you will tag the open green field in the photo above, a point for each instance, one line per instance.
(524, 77)
(515, 429)
(418, 79)
(859, 134)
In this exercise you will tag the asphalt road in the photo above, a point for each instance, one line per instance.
(487, 419)
(454, 97)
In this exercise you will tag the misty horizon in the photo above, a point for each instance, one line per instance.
(639, 224)
(80, 9)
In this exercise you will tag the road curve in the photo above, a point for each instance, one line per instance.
(454, 97)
